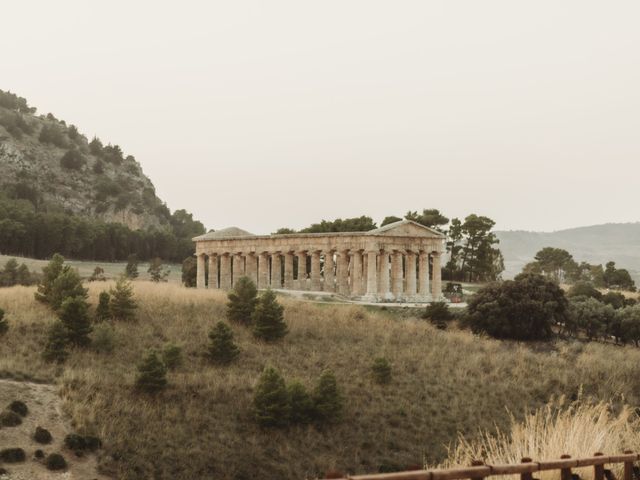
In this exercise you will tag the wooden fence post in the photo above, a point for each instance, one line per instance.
(598, 470)
(526, 475)
(565, 473)
(628, 467)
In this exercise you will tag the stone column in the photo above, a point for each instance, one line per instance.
(276, 270)
(423, 277)
(315, 271)
(410, 274)
(383, 280)
(357, 284)
(329, 276)
(372, 276)
(251, 267)
(213, 270)
(436, 286)
(238, 267)
(200, 278)
(288, 270)
(263, 270)
(396, 275)
(301, 284)
(343, 272)
(225, 271)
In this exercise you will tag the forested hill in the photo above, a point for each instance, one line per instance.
(619, 242)
(81, 197)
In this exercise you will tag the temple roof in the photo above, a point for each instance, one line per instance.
(403, 227)
(229, 232)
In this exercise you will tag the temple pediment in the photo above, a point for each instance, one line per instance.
(406, 228)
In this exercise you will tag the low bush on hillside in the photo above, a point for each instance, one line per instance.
(268, 318)
(381, 370)
(4, 324)
(104, 338)
(42, 436)
(152, 374)
(222, 349)
(56, 462)
(19, 407)
(172, 356)
(12, 455)
(242, 301)
(10, 419)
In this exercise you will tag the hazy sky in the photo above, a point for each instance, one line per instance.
(280, 113)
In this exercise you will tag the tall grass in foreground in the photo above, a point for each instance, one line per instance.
(579, 429)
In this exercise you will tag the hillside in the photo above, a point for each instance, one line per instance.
(619, 242)
(51, 164)
(443, 383)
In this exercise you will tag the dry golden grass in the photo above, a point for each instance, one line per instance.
(579, 429)
(443, 384)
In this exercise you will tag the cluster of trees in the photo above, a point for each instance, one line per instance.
(24, 231)
(471, 244)
(559, 265)
(14, 274)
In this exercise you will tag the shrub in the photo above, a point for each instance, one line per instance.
(75, 442)
(438, 313)
(10, 419)
(268, 318)
(39, 454)
(327, 400)
(103, 312)
(590, 316)
(56, 347)
(12, 455)
(172, 356)
(56, 462)
(152, 374)
(98, 275)
(222, 349)
(131, 269)
(92, 443)
(19, 407)
(300, 403)
(189, 271)
(242, 301)
(584, 289)
(52, 134)
(104, 340)
(157, 271)
(73, 160)
(521, 309)
(271, 401)
(122, 304)
(381, 370)
(75, 317)
(49, 274)
(59, 281)
(4, 324)
(616, 299)
(42, 436)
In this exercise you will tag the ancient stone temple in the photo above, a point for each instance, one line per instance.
(398, 262)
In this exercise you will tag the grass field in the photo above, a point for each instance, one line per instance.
(445, 383)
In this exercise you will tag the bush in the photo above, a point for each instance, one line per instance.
(271, 400)
(300, 404)
(93, 443)
(152, 374)
(438, 313)
(268, 318)
(98, 275)
(59, 282)
(327, 401)
(104, 338)
(222, 349)
(52, 134)
(521, 309)
(73, 160)
(381, 370)
(242, 301)
(42, 436)
(56, 347)
(590, 316)
(122, 304)
(616, 299)
(19, 407)
(131, 269)
(4, 325)
(75, 442)
(75, 317)
(56, 462)
(39, 454)
(157, 271)
(10, 419)
(172, 356)
(189, 272)
(584, 289)
(12, 455)
(103, 312)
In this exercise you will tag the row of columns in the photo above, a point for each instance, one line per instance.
(375, 275)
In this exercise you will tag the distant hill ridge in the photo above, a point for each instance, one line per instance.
(55, 167)
(619, 242)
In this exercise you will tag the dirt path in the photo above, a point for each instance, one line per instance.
(45, 410)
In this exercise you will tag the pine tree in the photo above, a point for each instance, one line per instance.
(24, 276)
(4, 325)
(56, 348)
(67, 285)
(271, 401)
(75, 317)
(131, 270)
(98, 275)
(268, 318)
(327, 401)
(103, 312)
(49, 274)
(300, 403)
(152, 374)
(242, 301)
(222, 349)
(381, 370)
(122, 304)
(157, 272)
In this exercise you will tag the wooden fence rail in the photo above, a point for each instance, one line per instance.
(526, 469)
